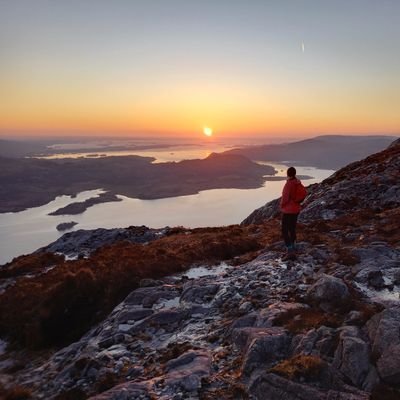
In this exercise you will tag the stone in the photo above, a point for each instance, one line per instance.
(329, 293)
(383, 330)
(167, 317)
(388, 365)
(148, 296)
(375, 280)
(187, 370)
(271, 386)
(352, 356)
(261, 346)
(198, 294)
(149, 282)
(134, 314)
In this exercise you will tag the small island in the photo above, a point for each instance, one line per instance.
(82, 206)
(64, 226)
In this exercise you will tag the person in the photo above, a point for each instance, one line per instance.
(290, 209)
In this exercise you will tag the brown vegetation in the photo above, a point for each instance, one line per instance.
(35, 262)
(59, 306)
(299, 366)
(15, 393)
(304, 319)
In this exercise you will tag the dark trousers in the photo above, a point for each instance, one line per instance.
(289, 228)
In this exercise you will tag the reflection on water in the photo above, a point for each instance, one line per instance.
(26, 231)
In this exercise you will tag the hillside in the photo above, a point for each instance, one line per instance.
(326, 152)
(215, 312)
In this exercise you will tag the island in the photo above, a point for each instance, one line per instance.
(82, 206)
(64, 226)
(30, 182)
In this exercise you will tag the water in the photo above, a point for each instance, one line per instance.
(26, 231)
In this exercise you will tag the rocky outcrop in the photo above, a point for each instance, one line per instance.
(372, 183)
(178, 337)
(82, 243)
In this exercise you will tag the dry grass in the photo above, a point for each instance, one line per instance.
(15, 393)
(304, 366)
(58, 307)
(302, 320)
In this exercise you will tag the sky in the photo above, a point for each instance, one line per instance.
(171, 67)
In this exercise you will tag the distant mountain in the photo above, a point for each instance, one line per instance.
(326, 152)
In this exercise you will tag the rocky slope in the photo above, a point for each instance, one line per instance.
(325, 326)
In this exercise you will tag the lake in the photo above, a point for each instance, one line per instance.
(25, 231)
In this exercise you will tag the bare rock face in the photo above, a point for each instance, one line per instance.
(187, 370)
(384, 333)
(389, 365)
(352, 357)
(329, 292)
(261, 346)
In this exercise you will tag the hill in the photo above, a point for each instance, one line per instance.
(165, 319)
(326, 152)
(26, 183)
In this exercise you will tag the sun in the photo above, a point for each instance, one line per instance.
(207, 131)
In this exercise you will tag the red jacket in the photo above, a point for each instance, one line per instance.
(288, 205)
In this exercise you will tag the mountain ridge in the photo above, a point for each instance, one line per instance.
(322, 327)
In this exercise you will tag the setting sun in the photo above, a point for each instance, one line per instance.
(207, 131)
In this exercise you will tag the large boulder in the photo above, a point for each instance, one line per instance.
(262, 347)
(352, 358)
(329, 293)
(384, 334)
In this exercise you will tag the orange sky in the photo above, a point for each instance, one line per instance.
(169, 74)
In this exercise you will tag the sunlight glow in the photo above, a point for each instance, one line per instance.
(207, 131)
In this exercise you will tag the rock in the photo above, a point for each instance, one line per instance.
(87, 241)
(195, 293)
(271, 386)
(187, 370)
(167, 317)
(352, 356)
(329, 293)
(150, 283)
(261, 346)
(388, 365)
(124, 391)
(148, 296)
(375, 279)
(383, 330)
(267, 316)
(134, 314)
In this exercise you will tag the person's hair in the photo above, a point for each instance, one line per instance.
(291, 172)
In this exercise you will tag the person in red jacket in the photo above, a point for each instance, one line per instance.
(290, 211)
